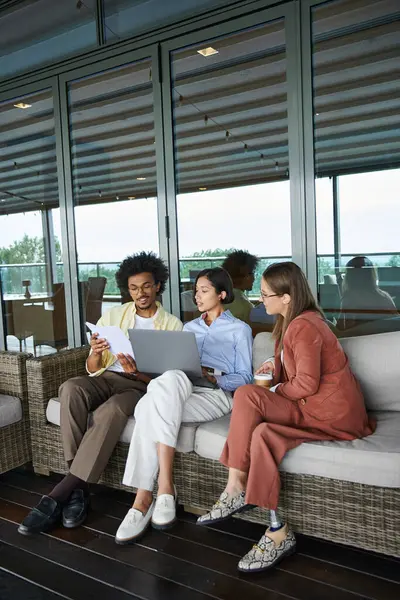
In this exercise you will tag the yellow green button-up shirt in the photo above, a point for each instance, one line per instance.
(124, 317)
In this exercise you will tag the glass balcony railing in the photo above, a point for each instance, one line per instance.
(13, 275)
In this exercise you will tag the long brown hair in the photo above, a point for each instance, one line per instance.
(288, 278)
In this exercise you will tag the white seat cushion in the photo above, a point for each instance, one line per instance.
(10, 410)
(185, 438)
(374, 460)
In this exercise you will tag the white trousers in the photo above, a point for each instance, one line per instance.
(171, 399)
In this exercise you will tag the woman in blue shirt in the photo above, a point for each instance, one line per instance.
(225, 348)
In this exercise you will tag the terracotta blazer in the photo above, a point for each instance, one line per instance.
(317, 376)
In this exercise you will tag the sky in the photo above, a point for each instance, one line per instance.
(256, 218)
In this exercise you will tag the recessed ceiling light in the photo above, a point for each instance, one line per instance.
(203, 189)
(131, 197)
(140, 178)
(22, 105)
(209, 51)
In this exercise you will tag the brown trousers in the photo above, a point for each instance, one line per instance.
(112, 398)
(264, 426)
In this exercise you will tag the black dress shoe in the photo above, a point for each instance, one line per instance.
(43, 517)
(75, 511)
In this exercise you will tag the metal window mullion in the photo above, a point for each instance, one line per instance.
(67, 217)
(49, 247)
(100, 23)
(337, 246)
(162, 212)
(295, 136)
(170, 184)
(308, 145)
(2, 317)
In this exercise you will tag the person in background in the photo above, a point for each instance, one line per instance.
(314, 396)
(108, 391)
(362, 300)
(241, 266)
(225, 349)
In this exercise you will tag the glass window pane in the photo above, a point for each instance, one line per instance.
(125, 18)
(41, 32)
(114, 177)
(31, 254)
(357, 145)
(231, 148)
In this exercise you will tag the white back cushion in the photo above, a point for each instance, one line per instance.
(263, 348)
(10, 410)
(374, 360)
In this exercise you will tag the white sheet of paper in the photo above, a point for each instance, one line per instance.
(119, 343)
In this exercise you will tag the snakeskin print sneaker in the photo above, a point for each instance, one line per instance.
(272, 548)
(224, 508)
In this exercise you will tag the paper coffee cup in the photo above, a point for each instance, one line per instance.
(263, 379)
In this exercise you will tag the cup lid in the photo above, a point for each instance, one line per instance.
(263, 376)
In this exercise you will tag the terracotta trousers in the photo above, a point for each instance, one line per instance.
(264, 426)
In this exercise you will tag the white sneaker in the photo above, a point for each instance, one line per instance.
(134, 525)
(164, 515)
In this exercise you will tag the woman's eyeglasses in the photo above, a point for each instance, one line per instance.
(264, 296)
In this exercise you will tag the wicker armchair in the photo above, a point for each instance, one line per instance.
(15, 441)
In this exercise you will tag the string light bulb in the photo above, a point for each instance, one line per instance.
(227, 135)
(276, 166)
(205, 119)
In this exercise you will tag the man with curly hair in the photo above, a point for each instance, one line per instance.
(107, 391)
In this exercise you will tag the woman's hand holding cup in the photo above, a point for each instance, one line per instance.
(267, 367)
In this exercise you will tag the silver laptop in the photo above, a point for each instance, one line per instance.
(159, 351)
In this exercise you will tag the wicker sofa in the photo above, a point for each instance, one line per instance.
(15, 442)
(347, 492)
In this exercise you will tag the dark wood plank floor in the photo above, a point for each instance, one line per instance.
(185, 563)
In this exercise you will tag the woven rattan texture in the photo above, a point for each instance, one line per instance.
(15, 442)
(344, 512)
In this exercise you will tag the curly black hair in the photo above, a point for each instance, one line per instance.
(143, 262)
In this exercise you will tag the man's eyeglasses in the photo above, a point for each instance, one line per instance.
(146, 287)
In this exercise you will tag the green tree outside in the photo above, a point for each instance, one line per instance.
(24, 252)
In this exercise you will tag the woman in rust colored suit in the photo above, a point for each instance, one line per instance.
(314, 396)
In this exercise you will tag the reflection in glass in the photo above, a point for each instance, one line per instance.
(40, 32)
(231, 148)
(127, 18)
(30, 253)
(114, 178)
(357, 145)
